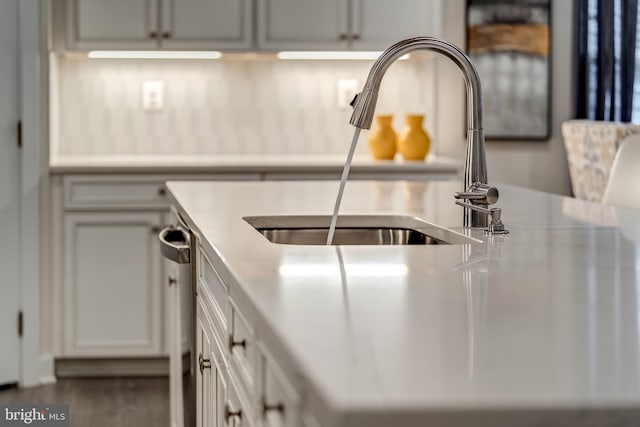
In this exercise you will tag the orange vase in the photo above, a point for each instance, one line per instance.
(414, 141)
(382, 139)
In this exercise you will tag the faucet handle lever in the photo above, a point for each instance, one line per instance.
(479, 193)
(469, 195)
(354, 100)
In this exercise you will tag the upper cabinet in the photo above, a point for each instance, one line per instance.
(232, 24)
(159, 24)
(377, 24)
(343, 24)
(303, 24)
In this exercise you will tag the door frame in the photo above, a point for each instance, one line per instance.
(34, 159)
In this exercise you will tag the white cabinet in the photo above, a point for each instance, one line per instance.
(303, 24)
(111, 270)
(229, 25)
(206, 24)
(377, 24)
(343, 24)
(212, 379)
(112, 289)
(159, 24)
(239, 383)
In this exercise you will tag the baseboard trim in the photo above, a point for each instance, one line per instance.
(47, 369)
(112, 367)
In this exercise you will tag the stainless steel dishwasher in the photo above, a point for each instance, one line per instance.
(177, 244)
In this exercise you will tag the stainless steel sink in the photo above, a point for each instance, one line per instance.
(355, 230)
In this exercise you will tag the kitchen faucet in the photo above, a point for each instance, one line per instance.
(475, 167)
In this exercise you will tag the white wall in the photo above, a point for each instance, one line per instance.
(538, 165)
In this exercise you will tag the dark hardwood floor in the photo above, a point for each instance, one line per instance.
(118, 402)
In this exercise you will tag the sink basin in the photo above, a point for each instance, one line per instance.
(349, 236)
(355, 230)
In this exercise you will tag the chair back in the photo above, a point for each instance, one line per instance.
(623, 186)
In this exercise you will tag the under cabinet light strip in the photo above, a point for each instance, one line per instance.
(153, 54)
(329, 55)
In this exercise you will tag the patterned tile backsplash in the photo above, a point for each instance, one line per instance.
(229, 106)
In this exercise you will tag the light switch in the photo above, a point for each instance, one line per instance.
(152, 95)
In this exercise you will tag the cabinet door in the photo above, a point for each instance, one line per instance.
(206, 24)
(302, 24)
(212, 380)
(377, 24)
(112, 24)
(203, 381)
(112, 284)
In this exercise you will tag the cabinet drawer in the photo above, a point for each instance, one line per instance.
(279, 402)
(216, 293)
(113, 192)
(243, 352)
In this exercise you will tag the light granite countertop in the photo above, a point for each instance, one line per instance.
(540, 327)
(312, 163)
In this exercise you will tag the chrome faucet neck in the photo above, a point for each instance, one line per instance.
(475, 167)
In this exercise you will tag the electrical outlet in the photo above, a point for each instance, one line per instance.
(152, 95)
(346, 89)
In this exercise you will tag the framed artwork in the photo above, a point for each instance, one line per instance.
(509, 42)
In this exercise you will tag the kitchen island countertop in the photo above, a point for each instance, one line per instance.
(536, 328)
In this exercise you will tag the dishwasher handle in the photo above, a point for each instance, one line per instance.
(174, 245)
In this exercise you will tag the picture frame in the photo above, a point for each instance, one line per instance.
(509, 42)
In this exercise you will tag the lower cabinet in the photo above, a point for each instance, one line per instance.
(112, 293)
(240, 383)
(213, 378)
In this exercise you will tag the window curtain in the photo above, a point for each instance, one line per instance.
(606, 63)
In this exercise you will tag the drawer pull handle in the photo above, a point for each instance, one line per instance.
(279, 408)
(162, 192)
(355, 37)
(232, 343)
(229, 413)
(153, 35)
(344, 36)
(166, 35)
(173, 280)
(204, 363)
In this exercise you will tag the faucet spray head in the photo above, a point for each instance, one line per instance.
(364, 106)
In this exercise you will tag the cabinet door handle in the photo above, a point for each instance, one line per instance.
(162, 192)
(204, 363)
(166, 35)
(278, 407)
(153, 34)
(343, 36)
(174, 245)
(229, 413)
(155, 229)
(355, 37)
(173, 280)
(233, 343)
